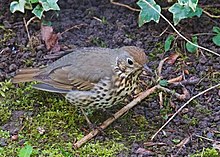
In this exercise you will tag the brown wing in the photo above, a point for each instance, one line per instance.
(59, 78)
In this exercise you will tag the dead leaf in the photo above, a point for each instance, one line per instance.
(172, 104)
(172, 58)
(183, 142)
(161, 99)
(159, 69)
(149, 144)
(186, 93)
(176, 79)
(50, 38)
(186, 72)
(143, 151)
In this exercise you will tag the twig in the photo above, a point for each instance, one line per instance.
(124, 5)
(210, 15)
(75, 26)
(208, 139)
(31, 19)
(183, 96)
(185, 82)
(160, 33)
(160, 66)
(28, 34)
(96, 18)
(184, 105)
(201, 47)
(118, 114)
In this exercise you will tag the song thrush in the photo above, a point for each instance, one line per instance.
(90, 77)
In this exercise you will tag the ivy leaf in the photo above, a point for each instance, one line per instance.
(17, 6)
(191, 48)
(216, 40)
(34, 1)
(26, 151)
(28, 5)
(163, 83)
(168, 42)
(183, 11)
(193, 4)
(49, 5)
(147, 13)
(38, 11)
(216, 30)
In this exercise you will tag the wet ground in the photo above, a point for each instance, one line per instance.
(103, 24)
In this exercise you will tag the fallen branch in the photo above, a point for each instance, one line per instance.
(184, 105)
(118, 114)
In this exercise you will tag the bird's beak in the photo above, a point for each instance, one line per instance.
(147, 69)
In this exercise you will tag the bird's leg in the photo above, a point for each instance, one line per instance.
(86, 117)
(91, 125)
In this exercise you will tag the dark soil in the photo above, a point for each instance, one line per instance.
(118, 28)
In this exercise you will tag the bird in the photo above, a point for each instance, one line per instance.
(90, 77)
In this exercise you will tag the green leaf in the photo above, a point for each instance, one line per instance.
(191, 48)
(28, 5)
(17, 6)
(176, 141)
(34, 1)
(168, 42)
(193, 4)
(38, 11)
(147, 13)
(216, 40)
(49, 5)
(26, 151)
(183, 11)
(216, 30)
(163, 83)
(183, 2)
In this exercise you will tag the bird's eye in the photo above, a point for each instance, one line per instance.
(130, 62)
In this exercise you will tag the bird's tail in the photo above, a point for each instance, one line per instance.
(26, 75)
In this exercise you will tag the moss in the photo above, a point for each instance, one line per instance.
(6, 34)
(158, 49)
(105, 149)
(213, 10)
(5, 113)
(206, 153)
(98, 42)
(51, 127)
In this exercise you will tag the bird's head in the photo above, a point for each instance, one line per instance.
(131, 59)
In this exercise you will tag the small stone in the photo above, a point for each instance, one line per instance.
(210, 135)
(127, 41)
(14, 137)
(3, 142)
(7, 25)
(203, 60)
(217, 118)
(13, 67)
(21, 142)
